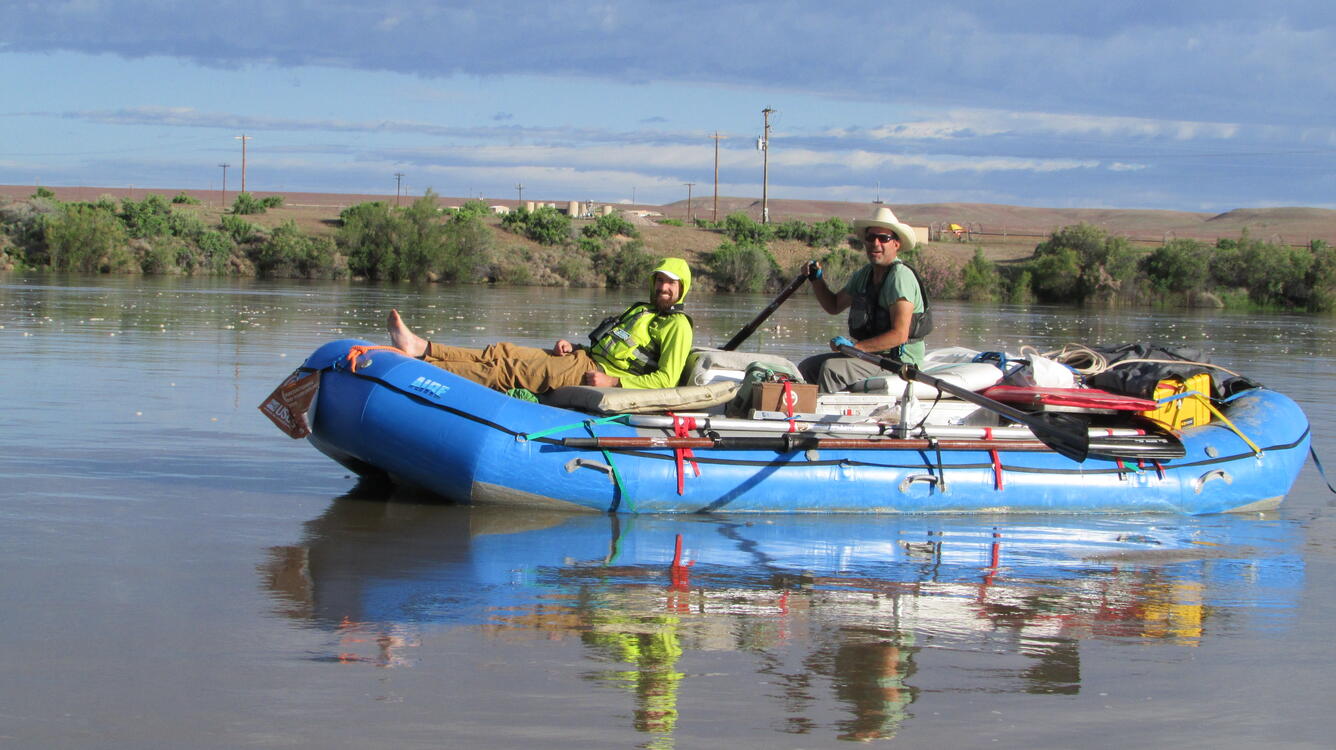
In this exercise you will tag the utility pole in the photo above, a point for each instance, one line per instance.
(716, 138)
(243, 139)
(398, 177)
(688, 184)
(764, 145)
(224, 165)
(519, 186)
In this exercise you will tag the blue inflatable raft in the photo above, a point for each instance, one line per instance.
(382, 413)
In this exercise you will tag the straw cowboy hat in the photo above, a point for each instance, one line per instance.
(885, 219)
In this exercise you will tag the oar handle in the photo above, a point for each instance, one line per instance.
(751, 327)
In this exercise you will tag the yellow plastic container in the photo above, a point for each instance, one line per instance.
(1189, 411)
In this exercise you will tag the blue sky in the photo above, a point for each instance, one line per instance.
(1188, 104)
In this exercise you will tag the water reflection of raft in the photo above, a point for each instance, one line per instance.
(424, 427)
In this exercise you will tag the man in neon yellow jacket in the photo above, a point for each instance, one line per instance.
(644, 347)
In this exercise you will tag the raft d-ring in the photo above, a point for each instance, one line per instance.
(912, 478)
(1208, 476)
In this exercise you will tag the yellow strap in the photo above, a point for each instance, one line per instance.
(1223, 418)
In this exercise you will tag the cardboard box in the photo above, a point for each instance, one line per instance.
(770, 397)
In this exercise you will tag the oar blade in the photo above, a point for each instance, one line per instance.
(1065, 433)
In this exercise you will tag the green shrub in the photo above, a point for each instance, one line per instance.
(24, 223)
(1081, 263)
(474, 209)
(215, 252)
(184, 224)
(676, 222)
(240, 230)
(742, 230)
(81, 237)
(611, 225)
(470, 250)
(831, 233)
(628, 265)
(246, 204)
(413, 243)
(544, 225)
(1055, 276)
(146, 218)
(1322, 277)
(158, 255)
(288, 253)
(368, 235)
(272, 201)
(1021, 292)
(979, 280)
(741, 267)
(42, 192)
(421, 244)
(1179, 265)
(183, 199)
(577, 268)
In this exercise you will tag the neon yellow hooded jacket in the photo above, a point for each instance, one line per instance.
(666, 337)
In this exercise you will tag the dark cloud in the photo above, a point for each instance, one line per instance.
(1196, 59)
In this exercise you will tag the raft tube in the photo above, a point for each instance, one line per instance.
(395, 416)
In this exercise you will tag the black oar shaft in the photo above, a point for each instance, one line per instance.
(751, 327)
(1064, 438)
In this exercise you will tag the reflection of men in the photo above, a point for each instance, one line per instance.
(644, 347)
(884, 301)
(870, 671)
(651, 644)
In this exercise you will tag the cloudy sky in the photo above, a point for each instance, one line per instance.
(1201, 105)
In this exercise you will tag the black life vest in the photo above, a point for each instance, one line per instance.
(867, 317)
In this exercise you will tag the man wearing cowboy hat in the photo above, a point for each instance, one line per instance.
(885, 304)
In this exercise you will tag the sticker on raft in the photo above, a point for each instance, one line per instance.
(286, 407)
(427, 385)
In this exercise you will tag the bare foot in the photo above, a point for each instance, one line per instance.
(403, 338)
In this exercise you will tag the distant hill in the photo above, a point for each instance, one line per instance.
(989, 222)
(1291, 225)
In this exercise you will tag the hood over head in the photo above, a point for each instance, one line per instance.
(676, 269)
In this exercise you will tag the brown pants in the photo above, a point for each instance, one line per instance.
(504, 366)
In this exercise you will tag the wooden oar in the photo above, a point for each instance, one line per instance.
(1154, 447)
(799, 442)
(751, 327)
(1063, 433)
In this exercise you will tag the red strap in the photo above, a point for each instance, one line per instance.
(997, 460)
(789, 398)
(679, 573)
(682, 427)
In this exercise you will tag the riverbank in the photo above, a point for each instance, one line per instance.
(1002, 232)
(1105, 257)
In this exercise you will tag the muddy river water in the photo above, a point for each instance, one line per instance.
(176, 573)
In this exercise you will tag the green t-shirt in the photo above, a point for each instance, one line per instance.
(901, 283)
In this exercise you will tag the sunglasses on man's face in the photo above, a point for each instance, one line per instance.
(882, 238)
